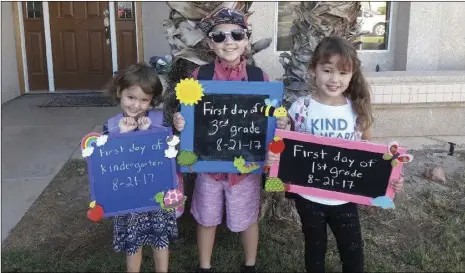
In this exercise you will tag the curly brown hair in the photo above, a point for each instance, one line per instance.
(140, 74)
(359, 91)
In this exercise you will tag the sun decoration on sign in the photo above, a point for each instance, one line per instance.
(189, 91)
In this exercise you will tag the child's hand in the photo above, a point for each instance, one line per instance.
(397, 185)
(271, 158)
(178, 121)
(127, 124)
(282, 123)
(143, 123)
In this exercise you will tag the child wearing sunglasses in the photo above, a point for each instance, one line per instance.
(227, 36)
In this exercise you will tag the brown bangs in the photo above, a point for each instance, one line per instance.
(141, 75)
(330, 47)
(144, 78)
(344, 64)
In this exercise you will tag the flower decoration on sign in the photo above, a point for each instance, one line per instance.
(395, 156)
(89, 139)
(239, 163)
(189, 91)
(95, 212)
(384, 202)
(172, 141)
(186, 159)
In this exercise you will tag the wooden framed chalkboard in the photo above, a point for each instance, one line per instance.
(333, 168)
(227, 126)
(127, 171)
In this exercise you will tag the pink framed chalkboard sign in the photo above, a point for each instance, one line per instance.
(334, 168)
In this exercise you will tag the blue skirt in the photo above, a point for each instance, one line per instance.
(133, 231)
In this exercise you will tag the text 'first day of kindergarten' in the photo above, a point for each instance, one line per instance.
(123, 166)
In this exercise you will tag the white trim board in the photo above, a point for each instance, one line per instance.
(136, 3)
(48, 46)
(114, 46)
(23, 46)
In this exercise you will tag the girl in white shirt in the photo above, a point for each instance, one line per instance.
(341, 108)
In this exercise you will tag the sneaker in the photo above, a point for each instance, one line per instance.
(203, 270)
(249, 269)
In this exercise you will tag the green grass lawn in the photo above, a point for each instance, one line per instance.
(275, 254)
(424, 233)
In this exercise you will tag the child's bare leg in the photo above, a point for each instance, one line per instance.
(133, 261)
(250, 243)
(205, 241)
(161, 258)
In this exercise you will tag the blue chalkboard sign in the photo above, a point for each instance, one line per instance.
(228, 123)
(128, 171)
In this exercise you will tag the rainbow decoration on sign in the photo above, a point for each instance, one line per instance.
(87, 141)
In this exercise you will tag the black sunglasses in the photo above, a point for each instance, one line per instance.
(220, 36)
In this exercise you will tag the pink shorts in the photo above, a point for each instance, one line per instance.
(242, 201)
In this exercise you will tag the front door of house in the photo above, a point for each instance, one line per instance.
(80, 45)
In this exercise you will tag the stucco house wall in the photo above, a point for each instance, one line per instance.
(10, 80)
(155, 43)
(436, 39)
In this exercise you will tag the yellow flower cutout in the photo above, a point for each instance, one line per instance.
(189, 91)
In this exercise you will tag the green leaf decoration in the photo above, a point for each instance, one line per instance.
(186, 158)
(159, 197)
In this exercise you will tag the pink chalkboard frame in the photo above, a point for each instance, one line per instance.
(342, 143)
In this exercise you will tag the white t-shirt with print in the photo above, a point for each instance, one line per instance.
(315, 118)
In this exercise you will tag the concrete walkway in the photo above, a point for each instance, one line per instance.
(37, 142)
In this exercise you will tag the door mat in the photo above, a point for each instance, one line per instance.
(77, 100)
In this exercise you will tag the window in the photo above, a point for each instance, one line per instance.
(34, 9)
(374, 25)
(125, 10)
(373, 19)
